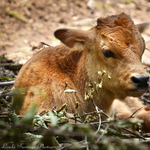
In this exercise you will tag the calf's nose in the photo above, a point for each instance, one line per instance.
(140, 81)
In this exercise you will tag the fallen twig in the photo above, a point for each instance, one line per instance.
(7, 83)
(16, 15)
(132, 116)
(100, 137)
(45, 44)
(6, 93)
(137, 135)
(10, 65)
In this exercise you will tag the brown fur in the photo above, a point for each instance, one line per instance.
(77, 62)
(129, 106)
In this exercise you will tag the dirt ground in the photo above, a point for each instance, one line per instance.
(26, 23)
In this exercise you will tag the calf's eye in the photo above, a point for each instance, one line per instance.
(108, 54)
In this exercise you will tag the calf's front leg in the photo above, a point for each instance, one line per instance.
(130, 105)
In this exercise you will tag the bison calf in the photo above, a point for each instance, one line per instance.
(114, 45)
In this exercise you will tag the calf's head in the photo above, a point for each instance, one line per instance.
(116, 46)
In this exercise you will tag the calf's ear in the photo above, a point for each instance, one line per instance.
(142, 26)
(71, 37)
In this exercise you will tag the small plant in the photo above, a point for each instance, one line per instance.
(128, 1)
